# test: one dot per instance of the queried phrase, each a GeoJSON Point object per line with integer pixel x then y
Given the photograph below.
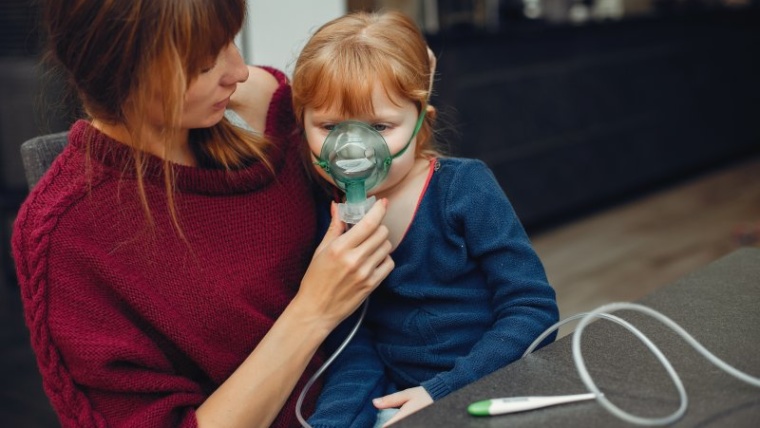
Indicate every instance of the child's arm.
{"type": "Point", "coordinates": [524, 303]}
{"type": "Point", "coordinates": [351, 382]}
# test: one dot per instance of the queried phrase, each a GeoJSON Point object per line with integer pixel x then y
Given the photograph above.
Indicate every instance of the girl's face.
{"type": "Point", "coordinates": [209, 93]}
{"type": "Point", "coordinates": [394, 119]}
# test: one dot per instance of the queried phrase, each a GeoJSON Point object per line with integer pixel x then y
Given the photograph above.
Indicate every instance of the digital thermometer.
{"type": "Point", "coordinates": [500, 406]}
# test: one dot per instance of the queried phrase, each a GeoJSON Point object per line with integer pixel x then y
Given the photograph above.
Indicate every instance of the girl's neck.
{"type": "Point", "coordinates": [403, 199]}
{"type": "Point", "coordinates": [178, 151]}
{"type": "Point", "coordinates": [409, 183]}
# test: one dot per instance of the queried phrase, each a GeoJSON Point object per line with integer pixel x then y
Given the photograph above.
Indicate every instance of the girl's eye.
{"type": "Point", "coordinates": [328, 127]}
{"type": "Point", "coordinates": [379, 127]}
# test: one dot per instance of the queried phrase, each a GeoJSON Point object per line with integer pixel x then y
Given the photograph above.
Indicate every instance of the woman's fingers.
{"type": "Point", "coordinates": [372, 254]}
{"type": "Point", "coordinates": [334, 230]}
{"type": "Point", "coordinates": [367, 226]}
{"type": "Point", "coordinates": [377, 267]}
{"type": "Point", "coordinates": [341, 242]}
{"type": "Point", "coordinates": [364, 246]}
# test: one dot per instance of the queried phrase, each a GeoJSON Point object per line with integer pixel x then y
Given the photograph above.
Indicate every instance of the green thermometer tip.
{"type": "Point", "coordinates": [479, 408]}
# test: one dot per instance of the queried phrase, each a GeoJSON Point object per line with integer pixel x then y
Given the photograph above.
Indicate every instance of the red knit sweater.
{"type": "Point", "coordinates": [133, 326]}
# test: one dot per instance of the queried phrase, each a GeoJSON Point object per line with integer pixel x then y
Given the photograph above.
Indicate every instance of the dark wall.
{"type": "Point", "coordinates": [32, 102]}
{"type": "Point", "coordinates": [573, 118]}
{"type": "Point", "coordinates": [19, 28]}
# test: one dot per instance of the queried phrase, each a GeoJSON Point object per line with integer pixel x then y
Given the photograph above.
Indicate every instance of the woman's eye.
{"type": "Point", "coordinates": [205, 70]}
{"type": "Point", "coordinates": [379, 127]}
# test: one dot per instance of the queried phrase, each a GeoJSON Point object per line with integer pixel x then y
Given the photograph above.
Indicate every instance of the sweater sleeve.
{"type": "Point", "coordinates": [100, 366]}
{"type": "Point", "coordinates": [524, 303]}
{"type": "Point", "coordinates": [352, 381]}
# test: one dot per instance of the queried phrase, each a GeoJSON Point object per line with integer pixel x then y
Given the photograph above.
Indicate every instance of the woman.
{"type": "Point", "coordinates": [165, 258]}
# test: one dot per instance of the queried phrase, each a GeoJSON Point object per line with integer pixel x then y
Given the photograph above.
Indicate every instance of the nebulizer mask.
{"type": "Point", "coordinates": [357, 158]}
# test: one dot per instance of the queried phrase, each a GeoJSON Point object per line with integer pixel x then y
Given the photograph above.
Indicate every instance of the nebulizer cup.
{"type": "Point", "coordinates": [357, 158]}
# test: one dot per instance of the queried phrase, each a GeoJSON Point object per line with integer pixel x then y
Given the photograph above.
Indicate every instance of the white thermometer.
{"type": "Point", "coordinates": [500, 406]}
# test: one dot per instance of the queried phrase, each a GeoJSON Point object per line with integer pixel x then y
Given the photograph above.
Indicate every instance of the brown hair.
{"type": "Point", "coordinates": [345, 57]}
{"type": "Point", "coordinates": [118, 53]}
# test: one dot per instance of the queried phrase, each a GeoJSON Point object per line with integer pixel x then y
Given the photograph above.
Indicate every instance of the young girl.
{"type": "Point", "coordinates": [166, 260]}
{"type": "Point", "coordinates": [468, 294]}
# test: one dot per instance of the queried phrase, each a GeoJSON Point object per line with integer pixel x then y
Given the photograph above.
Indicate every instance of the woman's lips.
{"type": "Point", "coordinates": [222, 104]}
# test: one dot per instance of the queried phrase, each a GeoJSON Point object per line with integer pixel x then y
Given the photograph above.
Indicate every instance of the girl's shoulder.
{"type": "Point", "coordinates": [457, 162]}
{"type": "Point", "coordinates": [461, 168]}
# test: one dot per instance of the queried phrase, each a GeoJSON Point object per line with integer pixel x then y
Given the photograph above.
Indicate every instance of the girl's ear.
{"type": "Point", "coordinates": [431, 112]}
{"type": "Point", "coordinates": [433, 64]}
{"type": "Point", "coordinates": [433, 61]}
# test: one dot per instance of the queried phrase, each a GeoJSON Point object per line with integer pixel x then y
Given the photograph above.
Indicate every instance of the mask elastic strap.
{"type": "Point", "coordinates": [417, 128]}
{"type": "Point", "coordinates": [321, 163]}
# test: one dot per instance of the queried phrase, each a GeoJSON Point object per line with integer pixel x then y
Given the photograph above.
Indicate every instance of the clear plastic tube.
{"type": "Point", "coordinates": [604, 313]}
{"type": "Point", "coordinates": [315, 376]}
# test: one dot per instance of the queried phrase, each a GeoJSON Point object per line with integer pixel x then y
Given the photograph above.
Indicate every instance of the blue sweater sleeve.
{"type": "Point", "coordinates": [352, 381]}
{"type": "Point", "coordinates": [523, 301]}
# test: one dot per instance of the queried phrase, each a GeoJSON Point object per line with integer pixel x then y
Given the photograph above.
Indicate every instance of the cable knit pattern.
{"type": "Point", "coordinates": [131, 325]}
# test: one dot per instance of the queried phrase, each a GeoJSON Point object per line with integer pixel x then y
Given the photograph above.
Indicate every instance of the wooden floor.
{"type": "Point", "coordinates": [628, 251]}
{"type": "Point", "coordinates": [620, 254]}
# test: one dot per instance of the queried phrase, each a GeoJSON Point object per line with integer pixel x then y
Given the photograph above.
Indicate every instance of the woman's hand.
{"type": "Point", "coordinates": [408, 401]}
{"type": "Point", "coordinates": [347, 266]}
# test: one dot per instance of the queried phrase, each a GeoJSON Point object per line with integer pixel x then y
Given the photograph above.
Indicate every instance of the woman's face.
{"type": "Point", "coordinates": [394, 119]}
{"type": "Point", "coordinates": [209, 93]}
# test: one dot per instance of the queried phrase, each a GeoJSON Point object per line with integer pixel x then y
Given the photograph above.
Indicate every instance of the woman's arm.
{"type": "Point", "coordinates": [346, 267]}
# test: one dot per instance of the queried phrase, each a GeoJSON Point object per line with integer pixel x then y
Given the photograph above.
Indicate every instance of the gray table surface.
{"type": "Point", "coordinates": [719, 305]}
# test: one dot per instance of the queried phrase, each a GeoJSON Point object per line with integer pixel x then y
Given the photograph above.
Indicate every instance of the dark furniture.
{"type": "Point", "coordinates": [573, 119]}
{"type": "Point", "coordinates": [39, 152]}
{"type": "Point", "coordinates": [717, 305]}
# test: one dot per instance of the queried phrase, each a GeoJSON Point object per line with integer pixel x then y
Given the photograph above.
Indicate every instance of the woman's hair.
{"type": "Point", "coordinates": [118, 54]}
{"type": "Point", "coordinates": [343, 60]}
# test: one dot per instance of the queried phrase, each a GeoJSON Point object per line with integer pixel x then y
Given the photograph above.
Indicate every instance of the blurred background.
{"type": "Point", "coordinates": [626, 133]}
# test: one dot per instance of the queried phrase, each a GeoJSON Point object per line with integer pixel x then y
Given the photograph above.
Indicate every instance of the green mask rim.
{"type": "Point", "coordinates": [387, 162]}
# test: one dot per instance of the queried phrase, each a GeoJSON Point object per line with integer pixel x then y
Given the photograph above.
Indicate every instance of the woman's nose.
{"type": "Point", "coordinates": [237, 70]}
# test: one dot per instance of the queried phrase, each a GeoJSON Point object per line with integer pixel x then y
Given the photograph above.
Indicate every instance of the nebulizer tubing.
{"type": "Point", "coordinates": [313, 378]}
{"type": "Point", "coordinates": [604, 313]}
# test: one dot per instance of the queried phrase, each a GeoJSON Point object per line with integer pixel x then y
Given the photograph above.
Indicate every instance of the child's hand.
{"type": "Point", "coordinates": [408, 401]}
